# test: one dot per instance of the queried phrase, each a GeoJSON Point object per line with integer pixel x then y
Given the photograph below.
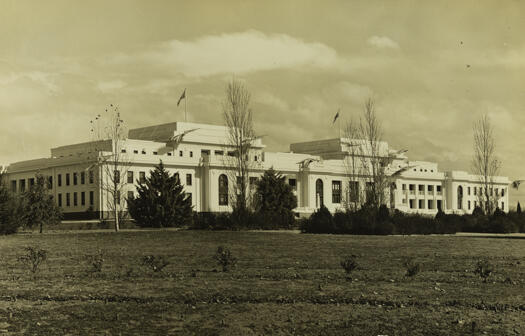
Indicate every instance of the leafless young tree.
{"type": "Point", "coordinates": [485, 163]}
{"type": "Point", "coordinates": [238, 118]}
{"type": "Point", "coordinates": [373, 161]}
{"type": "Point", "coordinates": [112, 162]}
{"type": "Point", "coordinates": [353, 165]}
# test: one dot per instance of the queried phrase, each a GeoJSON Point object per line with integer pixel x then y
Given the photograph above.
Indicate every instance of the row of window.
{"type": "Point", "coordinates": [431, 204]}
{"type": "Point", "coordinates": [76, 178]}
{"type": "Point", "coordinates": [142, 177]}
{"type": "Point", "coordinates": [481, 191]}
{"type": "Point", "coordinates": [135, 151]}
{"type": "Point", "coordinates": [421, 188]}
{"type": "Point", "coordinates": [76, 199]}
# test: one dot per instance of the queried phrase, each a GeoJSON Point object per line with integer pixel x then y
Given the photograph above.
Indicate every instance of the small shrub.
{"type": "Point", "coordinates": [349, 264]}
{"type": "Point", "coordinates": [154, 263]}
{"type": "Point", "coordinates": [484, 269]}
{"type": "Point", "coordinates": [224, 258]}
{"type": "Point", "coordinates": [33, 258]}
{"type": "Point", "coordinates": [96, 262]}
{"type": "Point", "coordinates": [412, 268]}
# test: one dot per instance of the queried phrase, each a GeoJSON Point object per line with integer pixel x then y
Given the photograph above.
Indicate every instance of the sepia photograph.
{"type": "Point", "coordinates": [242, 167]}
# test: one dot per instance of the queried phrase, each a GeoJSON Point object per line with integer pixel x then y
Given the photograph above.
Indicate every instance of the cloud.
{"type": "Point", "coordinates": [382, 42]}
{"type": "Point", "coordinates": [111, 85]}
{"type": "Point", "coordinates": [236, 53]}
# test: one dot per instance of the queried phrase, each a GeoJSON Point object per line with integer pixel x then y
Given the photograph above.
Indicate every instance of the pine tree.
{"type": "Point", "coordinates": [518, 209]}
{"type": "Point", "coordinates": [275, 200]}
{"type": "Point", "coordinates": [11, 211]}
{"type": "Point", "coordinates": [161, 201]}
{"type": "Point", "coordinates": [39, 206]}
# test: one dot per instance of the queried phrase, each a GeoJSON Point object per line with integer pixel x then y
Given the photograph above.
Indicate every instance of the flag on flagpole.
{"type": "Point", "coordinates": [183, 96]}
{"type": "Point", "coordinates": [336, 116]}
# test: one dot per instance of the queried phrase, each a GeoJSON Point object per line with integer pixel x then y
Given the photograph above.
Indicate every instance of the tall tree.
{"type": "Point", "coordinates": [161, 201]}
{"type": "Point", "coordinates": [374, 161]}
{"type": "Point", "coordinates": [11, 209]}
{"type": "Point", "coordinates": [352, 164]}
{"type": "Point", "coordinates": [40, 208]}
{"type": "Point", "coordinates": [485, 163]}
{"type": "Point", "coordinates": [275, 199]}
{"type": "Point", "coordinates": [238, 118]}
{"type": "Point", "coordinates": [111, 161]}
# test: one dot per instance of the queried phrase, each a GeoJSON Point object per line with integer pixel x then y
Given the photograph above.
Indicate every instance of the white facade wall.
{"type": "Point", "coordinates": [203, 154]}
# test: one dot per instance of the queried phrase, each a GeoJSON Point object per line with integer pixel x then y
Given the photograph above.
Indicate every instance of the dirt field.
{"type": "Point", "coordinates": [284, 284]}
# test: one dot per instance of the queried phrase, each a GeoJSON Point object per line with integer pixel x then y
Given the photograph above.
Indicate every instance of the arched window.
{"type": "Point", "coordinates": [223, 190]}
{"type": "Point", "coordinates": [460, 197]}
{"type": "Point", "coordinates": [319, 193]}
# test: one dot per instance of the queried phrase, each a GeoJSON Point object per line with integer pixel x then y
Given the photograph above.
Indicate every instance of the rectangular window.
{"type": "Point", "coordinates": [22, 185]}
{"type": "Point", "coordinates": [468, 191]}
{"type": "Point", "coordinates": [503, 192]}
{"type": "Point", "coordinates": [205, 152]}
{"type": "Point", "coordinates": [83, 198]}
{"type": "Point", "coordinates": [155, 153]}
{"type": "Point", "coordinates": [421, 204]}
{"type": "Point", "coordinates": [438, 188]}
{"type": "Point", "coordinates": [130, 177]}
{"type": "Point", "coordinates": [60, 200]}
{"type": "Point", "coordinates": [68, 200]}
{"type": "Point", "coordinates": [468, 204]}
{"type": "Point", "coordinates": [430, 204]}
{"type": "Point", "coordinates": [75, 180]}
{"type": "Point", "coordinates": [180, 153]}
{"type": "Point", "coordinates": [503, 206]}
{"type": "Point", "coordinates": [91, 177]}
{"type": "Point", "coordinates": [123, 150]}
{"type": "Point", "coordinates": [353, 191]}
{"type": "Point", "coordinates": [142, 177]}
{"type": "Point", "coordinates": [218, 152]}
{"type": "Point", "coordinates": [135, 151]}
{"type": "Point", "coordinates": [130, 194]}
{"type": "Point", "coordinates": [191, 154]}
{"type": "Point", "coordinates": [169, 153]}
{"type": "Point", "coordinates": [421, 187]}
{"type": "Point", "coordinates": [13, 186]}
{"type": "Point", "coordinates": [336, 192]}
{"type": "Point", "coordinates": [411, 203]}
{"type": "Point", "coordinates": [143, 151]}
{"type": "Point", "coordinates": [59, 180]}
{"type": "Point", "coordinates": [116, 175]}
{"type": "Point", "coordinates": [497, 192]}
{"type": "Point", "coordinates": [439, 205]}
{"type": "Point", "coordinates": [188, 179]}
{"type": "Point", "coordinates": [475, 190]}
{"type": "Point", "coordinates": [75, 200]}
{"type": "Point", "coordinates": [293, 183]}
{"type": "Point", "coordinates": [404, 187]}
{"type": "Point", "coordinates": [430, 188]}
{"type": "Point", "coordinates": [91, 198]}
{"type": "Point", "coordinates": [67, 179]}
{"type": "Point", "coordinates": [82, 177]}
{"type": "Point", "coordinates": [253, 182]}
{"type": "Point", "coordinates": [31, 182]}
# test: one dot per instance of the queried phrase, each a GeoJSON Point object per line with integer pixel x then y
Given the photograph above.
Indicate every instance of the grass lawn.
{"type": "Point", "coordinates": [283, 284]}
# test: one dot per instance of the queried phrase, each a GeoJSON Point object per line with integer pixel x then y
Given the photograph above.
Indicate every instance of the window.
{"type": "Point", "coordinates": [439, 205]}
{"type": "Point", "coordinates": [83, 198]}
{"type": "Point", "coordinates": [13, 186]}
{"type": "Point", "coordinates": [430, 204]}
{"type": "Point", "coordinates": [169, 153]}
{"type": "Point", "coordinates": [430, 188]}
{"type": "Point", "coordinates": [468, 204]}
{"type": "Point", "coordinates": [177, 178]}
{"type": "Point", "coordinates": [142, 177]}
{"type": "Point", "coordinates": [403, 187]}
{"type": "Point", "coordinates": [438, 188]}
{"type": "Point", "coordinates": [219, 152]}
{"type": "Point", "coordinates": [253, 181]}
{"type": "Point", "coordinates": [155, 153]}
{"type": "Point", "coordinates": [468, 192]}
{"type": "Point", "coordinates": [130, 194]}
{"type": "Point", "coordinates": [421, 204]}
{"type": "Point", "coordinates": [180, 153]}
{"type": "Point", "coordinates": [421, 188]}
{"type": "Point", "coordinates": [223, 190]}
{"type": "Point", "coordinates": [31, 182]}
{"type": "Point", "coordinates": [497, 192]}
{"type": "Point", "coordinates": [91, 198]}
{"type": "Point", "coordinates": [319, 193]}
{"type": "Point", "coordinates": [503, 206]}
{"type": "Point", "coordinates": [135, 151]}
{"type": "Point", "coordinates": [143, 151]}
{"type": "Point", "coordinates": [50, 182]}
{"type": "Point", "coordinates": [60, 200]}
{"type": "Point", "coordinates": [188, 179]}
{"type": "Point", "coordinates": [123, 150]}
{"type": "Point", "coordinates": [75, 199]}
{"type": "Point", "coordinates": [75, 179]}
{"type": "Point", "coordinates": [411, 203]}
{"type": "Point", "coordinates": [67, 179]}
{"type": "Point", "coordinates": [205, 152]}
{"type": "Point", "coordinates": [59, 180]}
{"type": "Point", "coordinates": [336, 192]}
{"type": "Point", "coordinates": [475, 190]}
{"type": "Point", "coordinates": [82, 177]}
{"type": "Point", "coordinates": [22, 185]}
{"type": "Point", "coordinates": [68, 201]}
{"type": "Point", "coordinates": [411, 187]}
{"type": "Point", "coordinates": [460, 197]}
{"type": "Point", "coordinates": [189, 197]}
{"type": "Point", "coordinates": [130, 177]}
{"type": "Point", "coordinates": [293, 183]}
{"type": "Point", "coordinates": [116, 176]}
{"type": "Point", "coordinates": [91, 177]}
{"type": "Point", "coordinates": [191, 154]}
{"type": "Point", "coordinates": [353, 189]}
{"type": "Point", "coordinates": [502, 192]}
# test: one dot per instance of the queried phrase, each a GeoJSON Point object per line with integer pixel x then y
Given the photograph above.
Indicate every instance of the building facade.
{"type": "Point", "coordinates": [329, 172]}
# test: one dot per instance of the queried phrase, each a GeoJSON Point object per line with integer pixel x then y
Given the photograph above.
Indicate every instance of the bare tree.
{"type": "Point", "coordinates": [485, 163]}
{"type": "Point", "coordinates": [353, 165]}
{"type": "Point", "coordinates": [238, 118]}
{"type": "Point", "coordinates": [111, 161]}
{"type": "Point", "coordinates": [373, 161]}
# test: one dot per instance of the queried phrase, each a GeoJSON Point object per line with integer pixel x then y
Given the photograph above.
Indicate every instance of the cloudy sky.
{"type": "Point", "coordinates": [433, 68]}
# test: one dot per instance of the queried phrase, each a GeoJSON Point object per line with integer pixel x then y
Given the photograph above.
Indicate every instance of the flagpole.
{"type": "Point", "coordinates": [185, 99]}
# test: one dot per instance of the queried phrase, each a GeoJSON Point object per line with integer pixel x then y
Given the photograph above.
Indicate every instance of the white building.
{"type": "Point", "coordinates": [202, 159]}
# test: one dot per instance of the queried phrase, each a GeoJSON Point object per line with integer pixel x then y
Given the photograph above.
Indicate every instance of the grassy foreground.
{"type": "Point", "coordinates": [283, 284]}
